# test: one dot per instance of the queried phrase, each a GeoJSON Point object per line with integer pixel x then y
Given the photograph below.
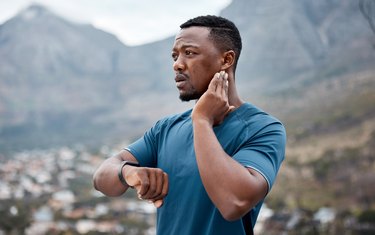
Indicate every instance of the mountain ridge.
{"type": "Point", "coordinates": [59, 77]}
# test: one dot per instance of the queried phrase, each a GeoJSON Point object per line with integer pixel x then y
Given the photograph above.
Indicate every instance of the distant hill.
{"type": "Point", "coordinates": [66, 83]}
{"type": "Point", "coordinates": [286, 39]}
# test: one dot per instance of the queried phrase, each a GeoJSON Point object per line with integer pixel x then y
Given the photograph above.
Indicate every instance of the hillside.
{"type": "Point", "coordinates": [309, 63]}
{"type": "Point", "coordinates": [58, 77]}
{"type": "Point", "coordinates": [329, 144]}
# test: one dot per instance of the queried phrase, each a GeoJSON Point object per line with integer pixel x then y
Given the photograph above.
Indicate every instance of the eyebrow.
{"type": "Point", "coordinates": [186, 45]}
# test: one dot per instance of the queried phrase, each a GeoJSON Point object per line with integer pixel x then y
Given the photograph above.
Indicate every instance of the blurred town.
{"type": "Point", "coordinates": [50, 192]}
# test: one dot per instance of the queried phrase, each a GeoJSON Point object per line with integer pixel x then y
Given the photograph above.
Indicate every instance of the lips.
{"type": "Point", "coordinates": [180, 84]}
{"type": "Point", "coordinates": [180, 79]}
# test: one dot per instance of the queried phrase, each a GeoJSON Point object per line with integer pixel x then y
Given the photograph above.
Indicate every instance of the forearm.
{"type": "Point", "coordinates": [231, 187]}
{"type": "Point", "coordinates": [106, 178]}
{"type": "Point", "coordinates": [151, 183]}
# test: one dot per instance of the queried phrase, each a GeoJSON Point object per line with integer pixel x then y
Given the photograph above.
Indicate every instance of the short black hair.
{"type": "Point", "coordinates": [223, 32]}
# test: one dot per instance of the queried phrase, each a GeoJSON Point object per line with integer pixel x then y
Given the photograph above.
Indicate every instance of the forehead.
{"type": "Point", "coordinates": [194, 36]}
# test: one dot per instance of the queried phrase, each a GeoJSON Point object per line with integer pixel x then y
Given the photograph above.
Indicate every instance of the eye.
{"type": "Point", "coordinates": [188, 52]}
{"type": "Point", "coordinates": [174, 56]}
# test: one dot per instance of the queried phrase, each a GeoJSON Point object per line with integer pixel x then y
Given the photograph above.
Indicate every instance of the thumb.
{"type": "Point", "coordinates": [138, 189]}
{"type": "Point", "coordinates": [158, 203]}
{"type": "Point", "coordinates": [131, 178]}
{"type": "Point", "coordinates": [132, 181]}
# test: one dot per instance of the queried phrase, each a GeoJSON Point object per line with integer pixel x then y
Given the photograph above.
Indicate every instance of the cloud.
{"type": "Point", "coordinates": [133, 22]}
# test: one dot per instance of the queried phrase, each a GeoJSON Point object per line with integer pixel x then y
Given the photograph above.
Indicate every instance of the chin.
{"type": "Point", "coordinates": [189, 97]}
{"type": "Point", "coordinates": [184, 98]}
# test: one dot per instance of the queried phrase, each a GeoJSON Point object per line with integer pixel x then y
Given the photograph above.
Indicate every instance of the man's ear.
{"type": "Point", "coordinates": [228, 59]}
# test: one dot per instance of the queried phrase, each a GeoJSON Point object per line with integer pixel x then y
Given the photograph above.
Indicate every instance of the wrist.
{"type": "Point", "coordinates": [203, 125]}
{"type": "Point", "coordinates": [202, 121]}
{"type": "Point", "coordinates": [121, 173]}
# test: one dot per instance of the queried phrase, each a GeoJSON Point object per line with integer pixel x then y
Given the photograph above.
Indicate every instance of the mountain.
{"type": "Point", "coordinates": [287, 38]}
{"type": "Point", "coordinates": [57, 76]}
{"type": "Point", "coordinates": [66, 83]}
{"type": "Point", "coordinates": [37, 40]}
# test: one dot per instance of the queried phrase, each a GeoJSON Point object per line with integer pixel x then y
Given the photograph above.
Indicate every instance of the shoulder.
{"type": "Point", "coordinates": [254, 116]}
{"type": "Point", "coordinates": [257, 124]}
{"type": "Point", "coordinates": [171, 120]}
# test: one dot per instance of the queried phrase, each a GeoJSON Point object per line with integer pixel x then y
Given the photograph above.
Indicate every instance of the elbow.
{"type": "Point", "coordinates": [101, 184]}
{"type": "Point", "coordinates": [94, 184]}
{"type": "Point", "coordinates": [230, 217]}
{"type": "Point", "coordinates": [95, 181]}
{"type": "Point", "coordinates": [235, 210]}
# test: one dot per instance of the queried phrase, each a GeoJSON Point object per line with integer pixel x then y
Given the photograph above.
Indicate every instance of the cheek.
{"type": "Point", "coordinates": [201, 79]}
{"type": "Point", "coordinates": [210, 67]}
{"type": "Point", "coordinates": [202, 85]}
{"type": "Point", "coordinates": [203, 72]}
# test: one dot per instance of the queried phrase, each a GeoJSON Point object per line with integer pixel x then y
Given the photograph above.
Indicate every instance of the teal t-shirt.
{"type": "Point", "coordinates": [252, 137]}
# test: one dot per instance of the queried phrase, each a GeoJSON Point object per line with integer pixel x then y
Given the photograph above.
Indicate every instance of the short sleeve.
{"type": "Point", "coordinates": [145, 148]}
{"type": "Point", "coordinates": [264, 152]}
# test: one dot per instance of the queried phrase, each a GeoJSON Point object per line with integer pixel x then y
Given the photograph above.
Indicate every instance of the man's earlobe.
{"type": "Point", "coordinates": [228, 59]}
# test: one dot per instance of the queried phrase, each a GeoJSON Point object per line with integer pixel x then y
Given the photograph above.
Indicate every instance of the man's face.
{"type": "Point", "coordinates": [196, 60]}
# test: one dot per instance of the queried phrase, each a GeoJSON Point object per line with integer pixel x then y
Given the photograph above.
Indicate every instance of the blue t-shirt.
{"type": "Point", "coordinates": [252, 137]}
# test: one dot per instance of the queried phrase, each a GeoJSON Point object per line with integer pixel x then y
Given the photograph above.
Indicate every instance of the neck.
{"type": "Point", "coordinates": [233, 97]}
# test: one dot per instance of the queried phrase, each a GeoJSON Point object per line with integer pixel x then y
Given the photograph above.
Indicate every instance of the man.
{"type": "Point", "coordinates": [209, 169]}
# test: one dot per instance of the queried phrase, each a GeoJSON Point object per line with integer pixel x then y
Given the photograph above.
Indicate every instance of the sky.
{"type": "Point", "coordinates": [134, 22]}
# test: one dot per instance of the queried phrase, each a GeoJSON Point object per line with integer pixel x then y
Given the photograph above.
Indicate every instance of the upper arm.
{"type": "Point", "coordinates": [145, 149]}
{"type": "Point", "coordinates": [261, 186]}
{"type": "Point", "coordinates": [263, 154]}
{"type": "Point", "coordinates": [125, 155]}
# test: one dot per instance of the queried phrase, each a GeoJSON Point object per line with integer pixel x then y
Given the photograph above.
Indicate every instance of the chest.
{"type": "Point", "coordinates": [176, 154]}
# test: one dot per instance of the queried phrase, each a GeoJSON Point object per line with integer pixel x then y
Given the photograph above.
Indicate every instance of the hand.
{"type": "Point", "coordinates": [213, 105]}
{"type": "Point", "coordinates": [151, 183]}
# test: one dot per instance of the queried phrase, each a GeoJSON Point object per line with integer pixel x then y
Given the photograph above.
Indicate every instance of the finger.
{"type": "Point", "coordinates": [226, 84]}
{"type": "Point", "coordinates": [144, 183]}
{"type": "Point", "coordinates": [164, 189]}
{"type": "Point", "coordinates": [226, 87]}
{"type": "Point", "coordinates": [138, 188]}
{"type": "Point", "coordinates": [213, 84]}
{"type": "Point", "coordinates": [220, 86]}
{"type": "Point", "coordinates": [159, 184]}
{"type": "Point", "coordinates": [152, 186]}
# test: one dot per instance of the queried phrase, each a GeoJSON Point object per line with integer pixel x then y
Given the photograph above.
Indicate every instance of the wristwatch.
{"type": "Point", "coordinates": [120, 176]}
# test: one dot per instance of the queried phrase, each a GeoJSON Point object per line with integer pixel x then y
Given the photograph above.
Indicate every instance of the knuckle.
{"type": "Point", "coordinates": [146, 184]}
{"type": "Point", "coordinates": [144, 173]}
{"type": "Point", "coordinates": [158, 171]}
{"type": "Point", "coordinates": [152, 190]}
{"type": "Point", "coordinates": [210, 94]}
{"type": "Point", "coordinates": [139, 172]}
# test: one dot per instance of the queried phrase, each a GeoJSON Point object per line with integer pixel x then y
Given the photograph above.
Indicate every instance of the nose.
{"type": "Point", "coordinates": [178, 65]}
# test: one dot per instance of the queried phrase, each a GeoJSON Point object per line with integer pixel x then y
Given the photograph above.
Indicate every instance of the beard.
{"type": "Point", "coordinates": [190, 95]}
